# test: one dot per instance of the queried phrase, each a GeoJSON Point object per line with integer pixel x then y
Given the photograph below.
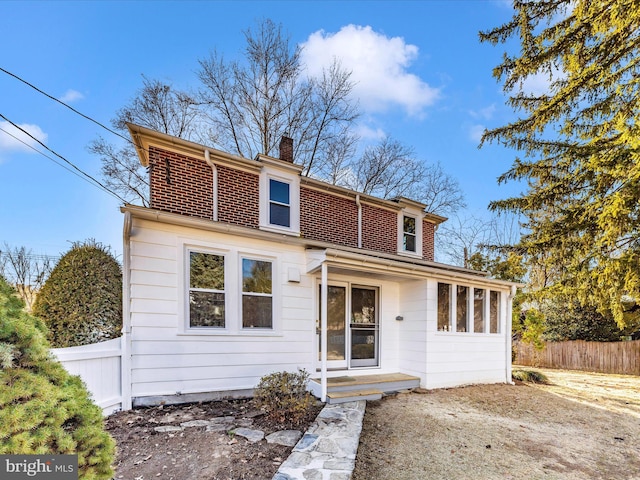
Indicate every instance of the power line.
{"type": "Point", "coordinates": [43, 154]}
{"type": "Point", "coordinates": [86, 175]}
{"type": "Point", "coordinates": [128, 140]}
{"type": "Point", "coordinates": [66, 105]}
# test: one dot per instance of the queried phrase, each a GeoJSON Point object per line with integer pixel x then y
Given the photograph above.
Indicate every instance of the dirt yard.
{"type": "Point", "coordinates": [211, 452]}
{"type": "Point", "coordinates": [582, 426]}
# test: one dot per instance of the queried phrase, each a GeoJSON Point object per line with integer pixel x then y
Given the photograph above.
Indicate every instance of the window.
{"type": "Point", "coordinates": [257, 294]}
{"type": "Point", "coordinates": [461, 308]}
{"type": "Point", "coordinates": [444, 307]}
{"type": "Point", "coordinates": [478, 310]}
{"type": "Point", "coordinates": [279, 203]}
{"type": "Point", "coordinates": [409, 234]}
{"type": "Point", "coordinates": [206, 290]}
{"type": "Point", "coordinates": [494, 300]}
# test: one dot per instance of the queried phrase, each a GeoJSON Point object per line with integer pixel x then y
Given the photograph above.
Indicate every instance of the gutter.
{"type": "Point", "coordinates": [359, 220]}
{"type": "Point", "coordinates": [368, 256]}
{"type": "Point", "coordinates": [214, 169]}
{"type": "Point", "coordinates": [508, 340]}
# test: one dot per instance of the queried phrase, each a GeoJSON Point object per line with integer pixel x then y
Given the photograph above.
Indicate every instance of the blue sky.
{"type": "Point", "coordinates": [422, 76]}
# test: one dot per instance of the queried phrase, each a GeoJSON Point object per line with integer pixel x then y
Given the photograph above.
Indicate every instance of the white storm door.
{"type": "Point", "coordinates": [336, 326]}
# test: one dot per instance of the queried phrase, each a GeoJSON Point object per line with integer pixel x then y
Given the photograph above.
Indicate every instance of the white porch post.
{"type": "Point", "coordinates": [323, 330]}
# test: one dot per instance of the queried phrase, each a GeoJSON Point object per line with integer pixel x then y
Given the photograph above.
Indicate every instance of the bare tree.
{"type": "Point", "coordinates": [390, 169]}
{"type": "Point", "coordinates": [250, 106]}
{"type": "Point", "coordinates": [438, 190]}
{"type": "Point", "coordinates": [245, 108]}
{"type": "Point", "coordinates": [461, 237]}
{"type": "Point", "coordinates": [160, 107]}
{"type": "Point", "coordinates": [26, 271]}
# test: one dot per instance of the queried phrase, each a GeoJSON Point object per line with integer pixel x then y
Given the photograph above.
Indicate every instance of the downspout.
{"type": "Point", "coordinates": [508, 339]}
{"type": "Point", "coordinates": [214, 169]}
{"type": "Point", "coordinates": [125, 365]}
{"type": "Point", "coordinates": [323, 330]}
{"type": "Point", "coordinates": [359, 220]}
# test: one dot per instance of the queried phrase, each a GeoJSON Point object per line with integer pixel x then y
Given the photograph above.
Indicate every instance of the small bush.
{"type": "Point", "coordinates": [529, 376]}
{"type": "Point", "coordinates": [43, 409]}
{"type": "Point", "coordinates": [284, 396]}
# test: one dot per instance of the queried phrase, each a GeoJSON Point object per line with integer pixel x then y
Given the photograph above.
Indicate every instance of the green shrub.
{"type": "Point", "coordinates": [529, 376]}
{"type": "Point", "coordinates": [81, 301]}
{"type": "Point", "coordinates": [43, 409]}
{"type": "Point", "coordinates": [284, 396]}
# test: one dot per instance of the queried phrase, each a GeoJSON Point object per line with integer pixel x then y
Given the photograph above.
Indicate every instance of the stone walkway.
{"type": "Point", "coordinates": [327, 451]}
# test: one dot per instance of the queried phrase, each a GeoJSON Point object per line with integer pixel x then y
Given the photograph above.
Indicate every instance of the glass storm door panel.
{"type": "Point", "coordinates": [336, 326]}
{"type": "Point", "coordinates": [364, 327]}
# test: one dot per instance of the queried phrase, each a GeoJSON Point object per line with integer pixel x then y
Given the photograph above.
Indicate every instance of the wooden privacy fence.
{"type": "Point", "coordinates": [604, 357]}
{"type": "Point", "coordinates": [99, 366]}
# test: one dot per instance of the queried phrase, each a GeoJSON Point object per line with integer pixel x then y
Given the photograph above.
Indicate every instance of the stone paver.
{"type": "Point", "coordinates": [251, 435]}
{"type": "Point", "coordinates": [327, 451]}
{"type": "Point", "coordinates": [288, 438]}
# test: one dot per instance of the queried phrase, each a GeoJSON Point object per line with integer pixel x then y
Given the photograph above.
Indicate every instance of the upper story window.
{"type": "Point", "coordinates": [409, 234]}
{"type": "Point", "coordinates": [279, 203]}
{"type": "Point", "coordinates": [206, 290]}
{"type": "Point", "coordinates": [279, 197]}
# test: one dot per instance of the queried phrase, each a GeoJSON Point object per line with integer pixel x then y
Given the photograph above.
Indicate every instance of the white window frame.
{"type": "Point", "coordinates": [241, 293]}
{"type": "Point", "coordinates": [185, 289]}
{"type": "Point", "coordinates": [417, 216]}
{"type": "Point", "coordinates": [233, 290]}
{"type": "Point", "coordinates": [453, 314]}
{"type": "Point", "coordinates": [293, 180]}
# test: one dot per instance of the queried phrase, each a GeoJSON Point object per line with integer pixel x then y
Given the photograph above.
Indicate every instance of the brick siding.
{"type": "Point", "coordinates": [379, 229]}
{"type": "Point", "coordinates": [428, 233]}
{"type": "Point", "coordinates": [184, 185]}
{"type": "Point", "coordinates": [328, 218]}
{"type": "Point", "coordinates": [238, 197]}
{"type": "Point", "coordinates": [180, 184]}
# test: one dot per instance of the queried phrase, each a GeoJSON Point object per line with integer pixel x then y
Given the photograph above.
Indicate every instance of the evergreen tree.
{"type": "Point", "coordinates": [81, 301]}
{"type": "Point", "coordinates": [578, 142]}
{"type": "Point", "coordinates": [43, 409]}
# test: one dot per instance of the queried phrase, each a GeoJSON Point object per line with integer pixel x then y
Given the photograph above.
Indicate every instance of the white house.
{"type": "Point", "coordinates": [242, 267]}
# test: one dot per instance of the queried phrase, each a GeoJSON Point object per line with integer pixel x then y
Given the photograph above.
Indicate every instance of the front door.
{"type": "Point", "coordinates": [364, 327]}
{"type": "Point", "coordinates": [353, 343]}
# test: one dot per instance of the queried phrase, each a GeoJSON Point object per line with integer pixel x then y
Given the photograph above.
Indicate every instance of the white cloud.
{"type": "Point", "coordinates": [71, 96]}
{"type": "Point", "coordinates": [540, 82]}
{"type": "Point", "coordinates": [475, 132]}
{"type": "Point", "coordinates": [368, 133]}
{"type": "Point", "coordinates": [14, 140]}
{"type": "Point", "coordinates": [378, 64]}
{"type": "Point", "coordinates": [484, 113]}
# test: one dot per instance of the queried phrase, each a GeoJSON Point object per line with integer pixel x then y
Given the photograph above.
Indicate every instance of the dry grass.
{"type": "Point", "coordinates": [580, 426]}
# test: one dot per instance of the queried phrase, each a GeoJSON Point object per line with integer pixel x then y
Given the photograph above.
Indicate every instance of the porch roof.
{"type": "Point", "coordinates": [394, 268]}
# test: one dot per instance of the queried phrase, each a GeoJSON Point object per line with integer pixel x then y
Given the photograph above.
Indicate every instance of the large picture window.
{"type": "Point", "coordinates": [257, 293]}
{"type": "Point", "coordinates": [206, 290]}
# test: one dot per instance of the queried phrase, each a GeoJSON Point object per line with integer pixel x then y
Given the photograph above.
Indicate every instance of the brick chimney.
{"type": "Point", "coordinates": [286, 149]}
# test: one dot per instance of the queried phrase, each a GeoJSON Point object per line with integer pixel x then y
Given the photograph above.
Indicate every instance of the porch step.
{"type": "Point", "coordinates": [363, 387]}
{"type": "Point", "coordinates": [344, 397]}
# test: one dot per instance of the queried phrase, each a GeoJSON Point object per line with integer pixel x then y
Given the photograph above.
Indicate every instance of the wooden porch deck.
{"type": "Point", "coordinates": [354, 387]}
